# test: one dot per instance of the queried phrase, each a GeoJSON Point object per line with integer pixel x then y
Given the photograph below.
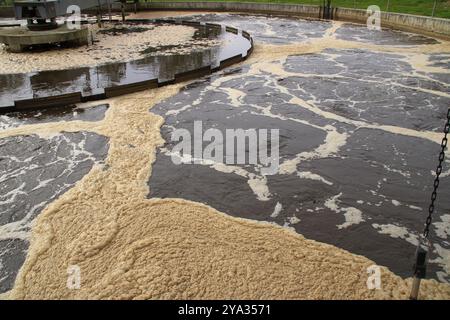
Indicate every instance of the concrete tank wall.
{"type": "Point", "coordinates": [407, 22]}
{"type": "Point", "coordinates": [295, 9]}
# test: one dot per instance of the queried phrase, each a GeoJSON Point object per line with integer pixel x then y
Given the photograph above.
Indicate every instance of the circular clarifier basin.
{"type": "Point", "coordinates": [93, 184]}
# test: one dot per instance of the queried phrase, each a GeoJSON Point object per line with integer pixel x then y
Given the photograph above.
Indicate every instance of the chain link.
{"type": "Point", "coordinates": [438, 173]}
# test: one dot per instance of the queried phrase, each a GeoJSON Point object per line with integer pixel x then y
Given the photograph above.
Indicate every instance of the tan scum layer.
{"type": "Point", "coordinates": [130, 247]}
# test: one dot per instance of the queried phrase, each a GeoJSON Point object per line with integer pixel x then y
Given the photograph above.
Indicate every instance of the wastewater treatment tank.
{"type": "Point", "coordinates": [87, 161]}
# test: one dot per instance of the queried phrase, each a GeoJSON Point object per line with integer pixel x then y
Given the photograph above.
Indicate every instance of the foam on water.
{"type": "Point", "coordinates": [128, 246]}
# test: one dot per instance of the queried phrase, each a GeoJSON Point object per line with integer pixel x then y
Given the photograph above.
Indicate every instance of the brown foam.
{"type": "Point", "coordinates": [128, 247]}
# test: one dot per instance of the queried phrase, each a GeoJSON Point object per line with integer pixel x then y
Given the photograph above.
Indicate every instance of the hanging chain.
{"type": "Point", "coordinates": [438, 173]}
{"type": "Point", "coordinates": [420, 266]}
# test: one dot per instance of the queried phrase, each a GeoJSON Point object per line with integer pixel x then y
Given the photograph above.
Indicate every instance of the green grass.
{"type": "Point", "coordinates": [418, 7]}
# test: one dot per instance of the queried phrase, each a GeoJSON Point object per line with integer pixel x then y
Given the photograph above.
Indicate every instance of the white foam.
{"type": "Point", "coordinates": [442, 260]}
{"type": "Point", "coordinates": [442, 228]}
{"type": "Point", "coordinates": [396, 231]}
{"type": "Point", "coordinates": [352, 215]}
{"type": "Point", "coordinates": [313, 176]}
{"type": "Point", "coordinates": [276, 211]}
